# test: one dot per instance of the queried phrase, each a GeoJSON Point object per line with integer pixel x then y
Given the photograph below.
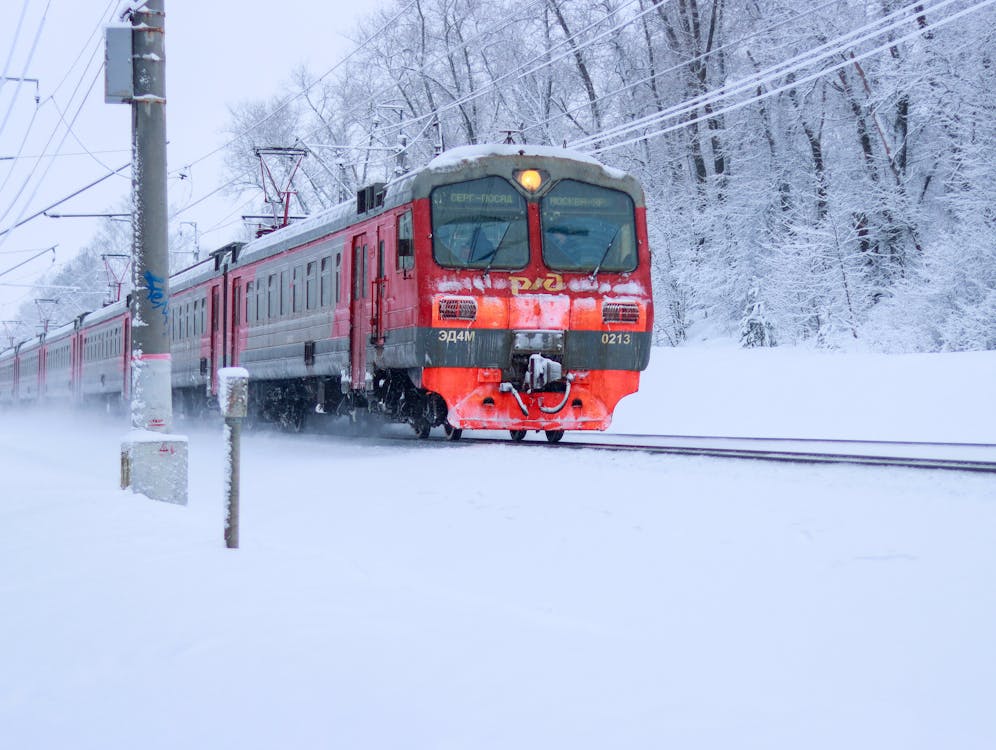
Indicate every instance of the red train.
{"type": "Point", "coordinates": [497, 288]}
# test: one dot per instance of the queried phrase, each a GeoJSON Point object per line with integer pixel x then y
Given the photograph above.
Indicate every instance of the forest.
{"type": "Point", "coordinates": [817, 173]}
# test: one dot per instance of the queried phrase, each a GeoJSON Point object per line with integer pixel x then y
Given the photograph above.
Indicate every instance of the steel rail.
{"type": "Point", "coordinates": [785, 456]}
{"type": "Point", "coordinates": [796, 456]}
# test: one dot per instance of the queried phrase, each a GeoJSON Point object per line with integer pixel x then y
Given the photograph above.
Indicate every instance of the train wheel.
{"type": "Point", "coordinates": [517, 435]}
{"type": "Point", "coordinates": [422, 429]}
{"type": "Point", "coordinates": [292, 418]}
{"type": "Point", "coordinates": [452, 433]}
{"type": "Point", "coordinates": [554, 435]}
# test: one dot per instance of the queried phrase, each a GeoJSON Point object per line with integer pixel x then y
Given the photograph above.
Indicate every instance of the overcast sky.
{"type": "Point", "coordinates": [218, 53]}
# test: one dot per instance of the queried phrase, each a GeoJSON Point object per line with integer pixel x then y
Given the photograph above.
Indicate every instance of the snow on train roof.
{"type": "Point", "coordinates": [460, 155]}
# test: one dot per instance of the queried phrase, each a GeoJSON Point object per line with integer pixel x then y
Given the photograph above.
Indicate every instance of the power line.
{"type": "Point", "coordinates": [771, 92]}
{"type": "Point", "coordinates": [13, 44]}
{"type": "Point", "coordinates": [55, 129]}
{"type": "Point", "coordinates": [33, 257]}
{"type": "Point", "coordinates": [51, 162]}
{"type": "Point", "coordinates": [385, 89]}
{"type": "Point", "coordinates": [27, 64]}
{"type": "Point", "coordinates": [684, 63]}
{"type": "Point", "coordinates": [298, 95]}
{"type": "Point", "coordinates": [63, 200]}
{"type": "Point", "coordinates": [779, 70]}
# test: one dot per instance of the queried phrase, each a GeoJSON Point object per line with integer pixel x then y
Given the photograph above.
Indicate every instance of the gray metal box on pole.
{"type": "Point", "coordinates": [118, 79]}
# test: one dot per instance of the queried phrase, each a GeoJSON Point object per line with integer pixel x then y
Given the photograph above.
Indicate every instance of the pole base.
{"type": "Point", "coordinates": [155, 465]}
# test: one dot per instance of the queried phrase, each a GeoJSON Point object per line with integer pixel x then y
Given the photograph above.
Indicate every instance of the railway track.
{"type": "Point", "coordinates": [974, 457]}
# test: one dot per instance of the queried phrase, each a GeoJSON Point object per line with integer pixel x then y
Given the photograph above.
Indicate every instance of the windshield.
{"type": "Point", "coordinates": [479, 224]}
{"type": "Point", "coordinates": [588, 228]}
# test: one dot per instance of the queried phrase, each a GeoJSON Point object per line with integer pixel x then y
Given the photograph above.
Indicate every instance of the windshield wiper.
{"type": "Point", "coordinates": [494, 253]}
{"type": "Point", "coordinates": [605, 254]}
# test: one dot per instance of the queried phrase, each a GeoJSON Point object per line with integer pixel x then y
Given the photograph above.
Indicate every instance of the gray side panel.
{"type": "Point", "coordinates": [400, 350]}
{"type": "Point", "coordinates": [606, 350]}
{"type": "Point", "coordinates": [287, 360]}
{"type": "Point", "coordinates": [459, 347]}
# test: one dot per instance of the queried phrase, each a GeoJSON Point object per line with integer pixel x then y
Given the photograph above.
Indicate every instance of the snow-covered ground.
{"type": "Point", "coordinates": [437, 595]}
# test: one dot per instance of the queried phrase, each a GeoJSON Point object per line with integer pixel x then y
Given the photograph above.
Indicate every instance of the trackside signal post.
{"type": "Point", "coordinates": [153, 462]}
{"type": "Point", "coordinates": [233, 398]}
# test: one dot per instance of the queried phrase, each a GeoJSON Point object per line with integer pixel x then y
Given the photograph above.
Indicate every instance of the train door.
{"type": "Point", "coordinates": [359, 314]}
{"type": "Point", "coordinates": [235, 321]}
{"type": "Point", "coordinates": [17, 372]}
{"type": "Point", "coordinates": [75, 371]}
{"type": "Point", "coordinates": [216, 339]}
{"type": "Point", "coordinates": [42, 369]}
{"type": "Point", "coordinates": [377, 289]}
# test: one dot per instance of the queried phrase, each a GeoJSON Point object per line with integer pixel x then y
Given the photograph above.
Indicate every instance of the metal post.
{"type": "Point", "coordinates": [233, 399]}
{"type": "Point", "coordinates": [233, 428]}
{"type": "Point", "coordinates": [153, 462]}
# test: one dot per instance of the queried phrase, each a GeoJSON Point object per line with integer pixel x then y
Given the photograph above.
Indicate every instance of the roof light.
{"type": "Point", "coordinates": [530, 179]}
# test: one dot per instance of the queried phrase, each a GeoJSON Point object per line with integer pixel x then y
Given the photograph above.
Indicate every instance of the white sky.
{"type": "Point", "coordinates": [218, 53]}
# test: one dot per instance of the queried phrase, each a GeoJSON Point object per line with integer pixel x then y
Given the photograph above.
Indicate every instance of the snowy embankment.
{"type": "Point", "coordinates": [436, 595]}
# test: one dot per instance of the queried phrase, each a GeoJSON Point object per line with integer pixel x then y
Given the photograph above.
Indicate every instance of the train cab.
{"type": "Point", "coordinates": [536, 302]}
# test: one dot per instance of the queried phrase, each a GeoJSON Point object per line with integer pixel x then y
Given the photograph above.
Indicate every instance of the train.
{"type": "Point", "coordinates": [499, 287]}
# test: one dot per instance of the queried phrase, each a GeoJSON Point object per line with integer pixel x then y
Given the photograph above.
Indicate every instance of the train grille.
{"type": "Point", "coordinates": [457, 309]}
{"type": "Point", "coordinates": [620, 312]}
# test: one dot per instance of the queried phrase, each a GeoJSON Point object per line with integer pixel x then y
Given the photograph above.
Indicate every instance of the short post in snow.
{"type": "Point", "coordinates": [233, 398]}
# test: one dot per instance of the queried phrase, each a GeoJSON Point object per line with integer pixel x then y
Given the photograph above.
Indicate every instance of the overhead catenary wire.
{"type": "Point", "coordinates": [289, 100]}
{"type": "Point", "coordinates": [380, 92]}
{"type": "Point", "coordinates": [59, 202]}
{"type": "Point", "coordinates": [51, 98]}
{"type": "Point", "coordinates": [27, 66]}
{"type": "Point", "coordinates": [4, 234]}
{"type": "Point", "coordinates": [805, 79]}
{"type": "Point", "coordinates": [683, 64]}
{"type": "Point", "coordinates": [794, 64]}
{"type": "Point", "coordinates": [13, 44]}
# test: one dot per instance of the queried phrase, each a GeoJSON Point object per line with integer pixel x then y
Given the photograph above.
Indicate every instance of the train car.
{"type": "Point", "coordinates": [31, 369]}
{"type": "Point", "coordinates": [59, 364]}
{"type": "Point", "coordinates": [103, 356]}
{"type": "Point", "coordinates": [497, 288]}
{"type": "Point", "coordinates": [8, 376]}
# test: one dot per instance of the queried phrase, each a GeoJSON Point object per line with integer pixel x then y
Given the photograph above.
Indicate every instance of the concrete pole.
{"type": "Point", "coordinates": [153, 461]}
{"type": "Point", "coordinates": [151, 398]}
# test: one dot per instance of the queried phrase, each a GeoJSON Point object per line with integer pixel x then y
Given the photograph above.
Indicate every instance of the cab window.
{"type": "Point", "coordinates": [588, 228]}
{"type": "Point", "coordinates": [479, 224]}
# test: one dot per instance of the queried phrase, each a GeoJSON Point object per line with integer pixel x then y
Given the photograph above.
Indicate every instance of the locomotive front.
{"type": "Point", "coordinates": [536, 308]}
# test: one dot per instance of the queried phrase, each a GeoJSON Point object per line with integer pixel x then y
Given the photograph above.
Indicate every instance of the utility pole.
{"type": "Point", "coordinates": [153, 461]}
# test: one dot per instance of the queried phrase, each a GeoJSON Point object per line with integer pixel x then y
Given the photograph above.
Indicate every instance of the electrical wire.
{"type": "Point", "coordinates": [780, 70]}
{"type": "Point", "coordinates": [812, 77]}
{"type": "Point", "coordinates": [59, 202]}
{"type": "Point", "coordinates": [13, 44]}
{"type": "Point", "coordinates": [683, 64]}
{"type": "Point", "coordinates": [370, 99]}
{"type": "Point", "coordinates": [287, 102]}
{"type": "Point", "coordinates": [51, 136]}
{"type": "Point", "coordinates": [27, 65]}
